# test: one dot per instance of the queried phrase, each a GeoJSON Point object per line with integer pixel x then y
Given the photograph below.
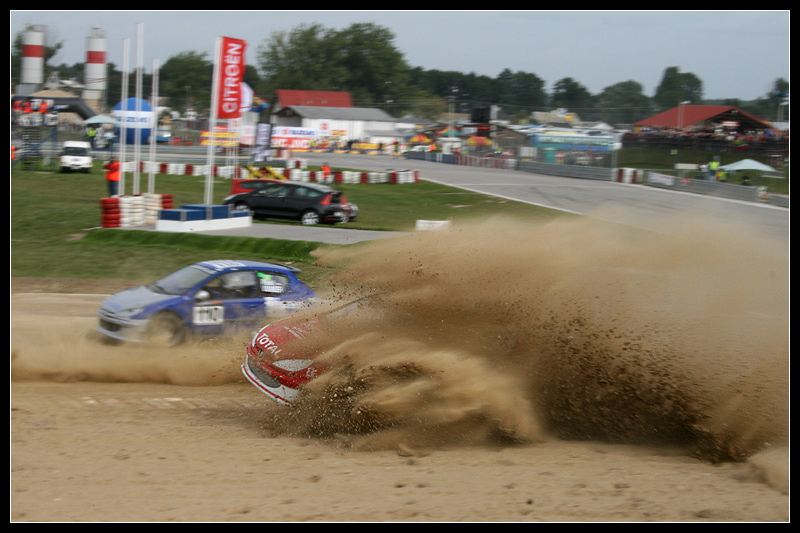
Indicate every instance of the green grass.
{"type": "Point", "coordinates": [55, 225]}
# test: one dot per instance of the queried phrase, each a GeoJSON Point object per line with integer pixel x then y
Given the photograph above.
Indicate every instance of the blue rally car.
{"type": "Point", "coordinates": [210, 298]}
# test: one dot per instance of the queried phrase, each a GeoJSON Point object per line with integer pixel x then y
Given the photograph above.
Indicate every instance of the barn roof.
{"type": "Point", "coordinates": [336, 113]}
{"type": "Point", "coordinates": [286, 97]}
{"type": "Point", "coordinates": [688, 115]}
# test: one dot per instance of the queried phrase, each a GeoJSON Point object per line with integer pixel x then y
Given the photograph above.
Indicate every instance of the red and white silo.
{"type": "Point", "coordinates": [32, 55]}
{"type": "Point", "coordinates": [94, 73]}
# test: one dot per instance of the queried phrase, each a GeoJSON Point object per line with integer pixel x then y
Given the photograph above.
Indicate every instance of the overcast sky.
{"type": "Point", "coordinates": [737, 54]}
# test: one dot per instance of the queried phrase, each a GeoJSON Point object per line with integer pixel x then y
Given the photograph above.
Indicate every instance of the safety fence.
{"type": "Point", "coordinates": [295, 170]}
{"type": "Point", "coordinates": [715, 188]}
{"type": "Point", "coordinates": [570, 171]}
{"type": "Point", "coordinates": [618, 175]}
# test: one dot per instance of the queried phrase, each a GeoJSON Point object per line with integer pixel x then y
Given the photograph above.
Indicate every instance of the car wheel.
{"type": "Point", "coordinates": [240, 206]}
{"type": "Point", "coordinates": [166, 330]}
{"type": "Point", "coordinates": [309, 218]}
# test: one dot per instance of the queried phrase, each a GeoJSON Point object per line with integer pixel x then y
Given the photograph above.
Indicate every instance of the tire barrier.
{"type": "Point", "coordinates": [628, 175]}
{"type": "Point", "coordinates": [153, 204]}
{"type": "Point", "coordinates": [131, 211]}
{"type": "Point", "coordinates": [394, 177]}
{"type": "Point", "coordinates": [127, 211]}
{"type": "Point", "coordinates": [295, 170]}
{"type": "Point", "coordinates": [110, 212]}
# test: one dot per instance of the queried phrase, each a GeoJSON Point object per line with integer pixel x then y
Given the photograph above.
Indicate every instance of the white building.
{"type": "Point", "coordinates": [340, 123]}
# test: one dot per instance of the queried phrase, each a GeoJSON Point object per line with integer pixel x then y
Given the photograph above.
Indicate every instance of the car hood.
{"type": "Point", "coordinates": [140, 296]}
{"type": "Point", "coordinates": [281, 338]}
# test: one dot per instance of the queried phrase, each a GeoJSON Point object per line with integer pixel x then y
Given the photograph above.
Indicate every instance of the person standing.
{"type": "Point", "coordinates": [112, 175]}
{"type": "Point", "coordinates": [326, 173]}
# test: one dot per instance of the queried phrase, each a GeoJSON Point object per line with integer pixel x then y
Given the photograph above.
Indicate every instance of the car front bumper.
{"type": "Point", "coordinates": [267, 384]}
{"type": "Point", "coordinates": [122, 329]}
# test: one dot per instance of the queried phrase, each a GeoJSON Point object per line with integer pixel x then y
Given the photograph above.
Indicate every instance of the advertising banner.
{"type": "Point", "coordinates": [231, 71]}
{"type": "Point", "coordinates": [261, 149]}
{"type": "Point", "coordinates": [292, 138]}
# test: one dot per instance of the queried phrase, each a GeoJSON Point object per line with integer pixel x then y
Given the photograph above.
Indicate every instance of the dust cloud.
{"type": "Point", "coordinates": [506, 331]}
{"type": "Point", "coordinates": [65, 348]}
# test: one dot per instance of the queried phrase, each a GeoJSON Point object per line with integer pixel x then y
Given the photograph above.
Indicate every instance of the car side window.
{"type": "Point", "coordinates": [272, 283]}
{"type": "Point", "coordinates": [305, 192]}
{"type": "Point", "coordinates": [275, 190]}
{"type": "Point", "coordinates": [233, 285]}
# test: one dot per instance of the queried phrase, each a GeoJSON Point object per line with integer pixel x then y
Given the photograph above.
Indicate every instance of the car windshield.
{"type": "Point", "coordinates": [74, 150]}
{"type": "Point", "coordinates": [180, 281]}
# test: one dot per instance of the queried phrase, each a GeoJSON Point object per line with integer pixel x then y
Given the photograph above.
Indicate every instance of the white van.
{"type": "Point", "coordinates": [75, 155]}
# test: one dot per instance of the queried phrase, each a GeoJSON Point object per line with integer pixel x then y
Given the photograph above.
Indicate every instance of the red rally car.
{"type": "Point", "coordinates": [279, 363]}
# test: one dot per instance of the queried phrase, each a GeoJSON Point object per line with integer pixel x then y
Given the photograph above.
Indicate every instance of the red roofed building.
{"type": "Point", "coordinates": [285, 98]}
{"type": "Point", "coordinates": [703, 115]}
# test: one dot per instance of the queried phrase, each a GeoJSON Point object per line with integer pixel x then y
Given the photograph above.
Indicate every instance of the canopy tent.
{"type": "Point", "coordinates": [101, 119]}
{"type": "Point", "coordinates": [479, 141]}
{"type": "Point", "coordinates": [747, 164]}
{"type": "Point", "coordinates": [449, 132]}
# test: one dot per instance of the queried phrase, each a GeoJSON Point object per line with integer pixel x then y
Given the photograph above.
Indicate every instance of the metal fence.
{"type": "Point", "coordinates": [570, 171]}
{"type": "Point", "coordinates": [715, 188]}
{"type": "Point", "coordinates": [650, 178]}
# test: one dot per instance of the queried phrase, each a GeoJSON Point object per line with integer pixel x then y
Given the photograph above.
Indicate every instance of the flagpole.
{"type": "Point", "coordinates": [212, 124]}
{"type": "Point", "coordinates": [153, 131]}
{"type": "Point", "coordinates": [137, 140]}
{"type": "Point", "coordinates": [123, 129]}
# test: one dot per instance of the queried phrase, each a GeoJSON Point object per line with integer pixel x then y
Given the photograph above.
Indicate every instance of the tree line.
{"type": "Point", "coordinates": [363, 60]}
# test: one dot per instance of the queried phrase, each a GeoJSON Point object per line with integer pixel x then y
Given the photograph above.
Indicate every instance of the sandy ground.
{"type": "Point", "coordinates": [128, 434]}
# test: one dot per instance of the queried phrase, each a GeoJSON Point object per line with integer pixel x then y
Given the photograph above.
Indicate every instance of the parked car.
{"type": "Point", "coordinates": [75, 155]}
{"type": "Point", "coordinates": [279, 360]}
{"type": "Point", "coordinates": [209, 298]}
{"type": "Point", "coordinates": [310, 203]}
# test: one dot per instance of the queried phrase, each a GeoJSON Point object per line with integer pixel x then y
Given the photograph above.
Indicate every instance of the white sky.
{"type": "Point", "coordinates": [737, 54]}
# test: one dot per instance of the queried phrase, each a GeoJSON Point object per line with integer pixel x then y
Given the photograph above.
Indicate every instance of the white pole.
{"type": "Point", "coordinates": [123, 129]}
{"type": "Point", "coordinates": [151, 179]}
{"type": "Point", "coordinates": [212, 124]}
{"type": "Point", "coordinates": [138, 131]}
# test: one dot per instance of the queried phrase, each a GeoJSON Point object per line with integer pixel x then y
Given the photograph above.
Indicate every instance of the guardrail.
{"type": "Point", "coordinates": [651, 178]}
{"type": "Point", "coordinates": [570, 171]}
{"type": "Point", "coordinates": [715, 188]}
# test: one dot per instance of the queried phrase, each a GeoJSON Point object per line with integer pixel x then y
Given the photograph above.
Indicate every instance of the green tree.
{"type": "Point", "coordinates": [623, 103]}
{"type": "Point", "coordinates": [360, 59]}
{"type": "Point", "coordinates": [185, 79]}
{"type": "Point", "coordinates": [571, 95]}
{"type": "Point", "coordinates": [520, 89]}
{"type": "Point", "coordinates": [299, 59]}
{"type": "Point", "coordinates": [676, 87]}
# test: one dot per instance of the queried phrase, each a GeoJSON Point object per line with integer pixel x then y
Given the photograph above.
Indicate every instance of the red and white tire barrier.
{"type": "Point", "coordinates": [627, 175]}
{"type": "Point", "coordinates": [295, 170]}
{"type": "Point", "coordinates": [127, 211]}
{"type": "Point", "coordinates": [347, 176]}
{"type": "Point", "coordinates": [153, 204]}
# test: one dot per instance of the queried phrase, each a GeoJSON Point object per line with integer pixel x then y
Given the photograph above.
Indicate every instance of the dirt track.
{"type": "Point", "coordinates": [102, 433]}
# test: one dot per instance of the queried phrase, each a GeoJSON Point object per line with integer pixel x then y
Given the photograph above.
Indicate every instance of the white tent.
{"type": "Point", "coordinates": [747, 164]}
{"type": "Point", "coordinates": [101, 119]}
